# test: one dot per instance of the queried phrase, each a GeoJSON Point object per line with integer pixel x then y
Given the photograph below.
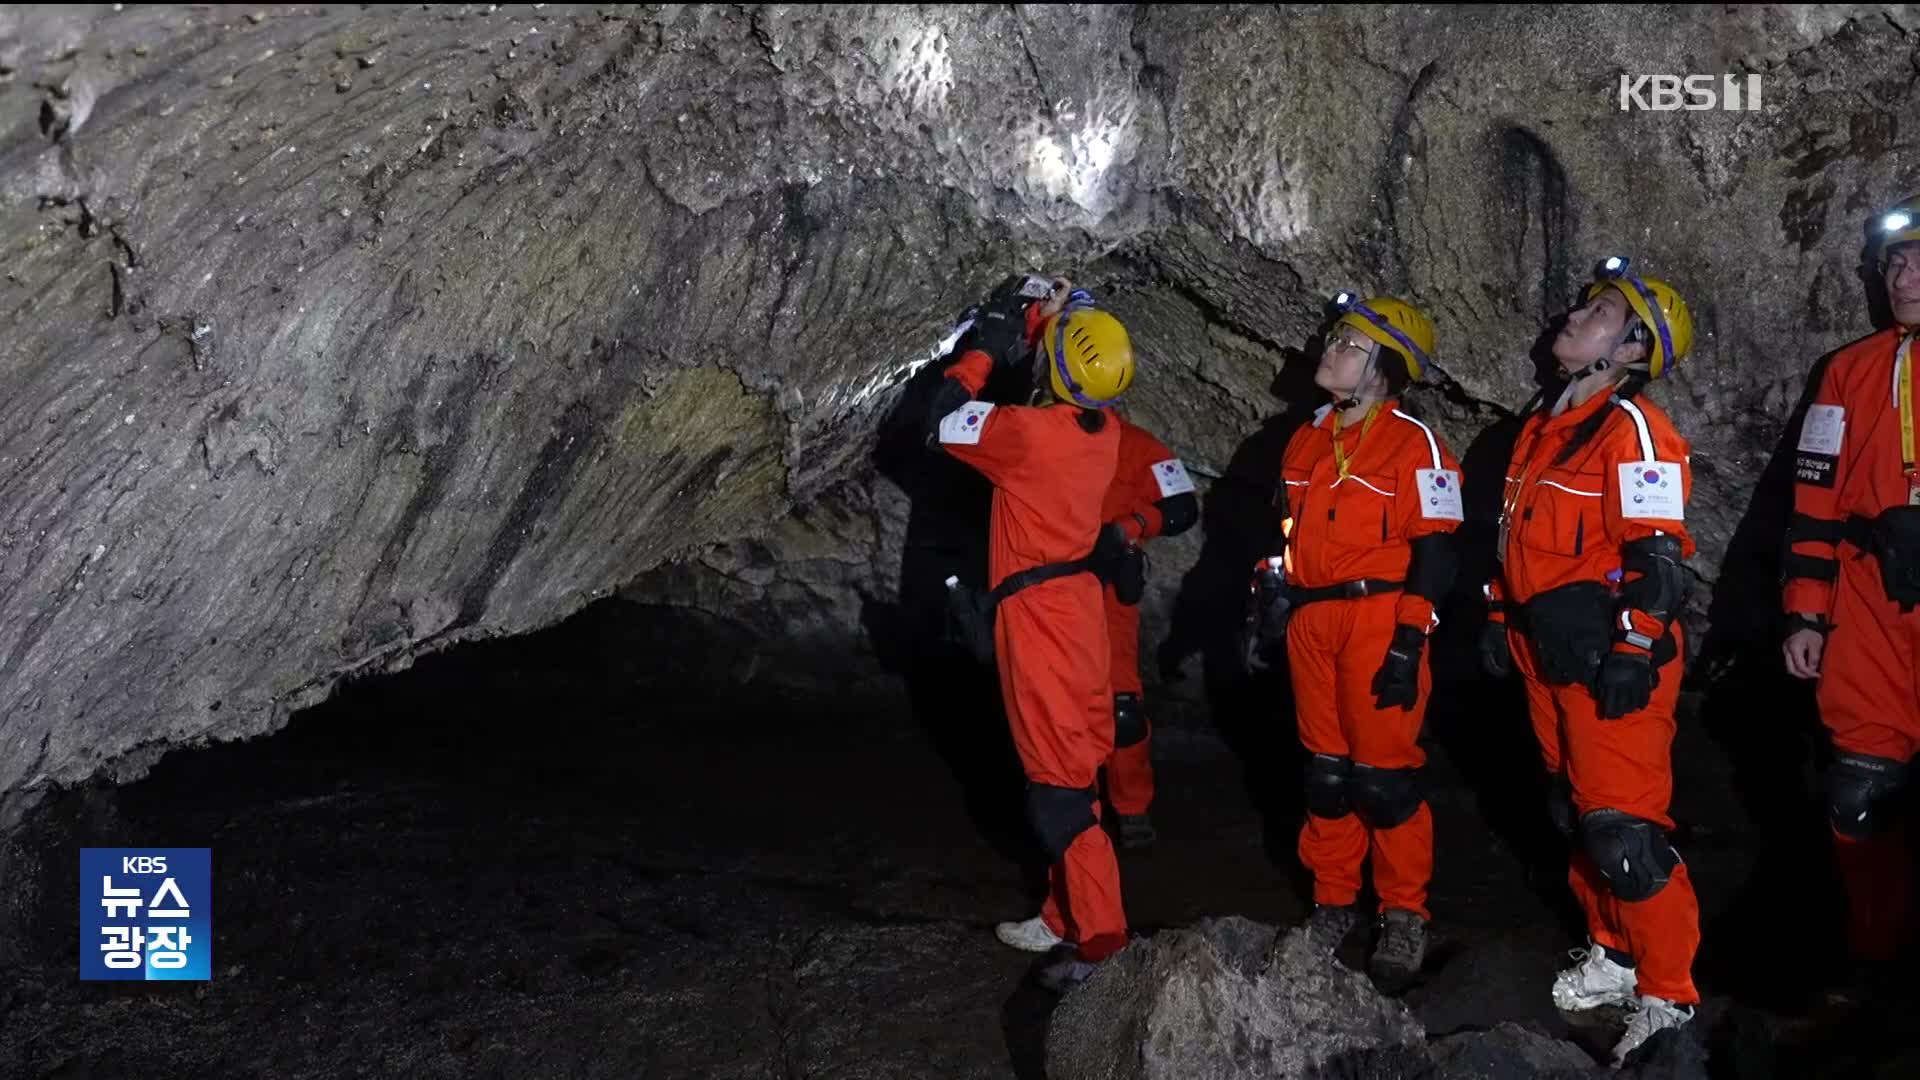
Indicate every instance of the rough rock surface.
{"type": "Point", "coordinates": [336, 334]}
{"type": "Point", "coordinates": [1227, 998]}
{"type": "Point", "coordinates": [1233, 998]}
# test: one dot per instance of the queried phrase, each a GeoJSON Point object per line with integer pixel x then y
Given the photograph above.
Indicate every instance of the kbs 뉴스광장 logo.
{"type": "Point", "coordinates": [146, 914]}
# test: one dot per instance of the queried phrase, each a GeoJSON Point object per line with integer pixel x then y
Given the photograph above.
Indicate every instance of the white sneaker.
{"type": "Point", "coordinates": [1650, 1014]}
{"type": "Point", "coordinates": [1593, 982]}
{"type": "Point", "coordinates": [1029, 936]}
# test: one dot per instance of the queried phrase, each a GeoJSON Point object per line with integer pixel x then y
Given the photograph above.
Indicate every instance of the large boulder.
{"type": "Point", "coordinates": [1225, 1000]}
{"type": "Point", "coordinates": [1230, 998]}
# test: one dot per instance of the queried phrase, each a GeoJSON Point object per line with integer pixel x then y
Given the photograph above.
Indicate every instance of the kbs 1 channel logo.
{"type": "Point", "coordinates": [146, 914]}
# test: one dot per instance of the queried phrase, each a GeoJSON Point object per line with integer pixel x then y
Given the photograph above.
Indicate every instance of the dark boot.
{"type": "Point", "coordinates": [1401, 950]}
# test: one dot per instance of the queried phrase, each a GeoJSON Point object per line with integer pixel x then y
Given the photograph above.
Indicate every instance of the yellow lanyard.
{"type": "Point", "coordinates": [1902, 364]}
{"type": "Point", "coordinates": [1340, 456]}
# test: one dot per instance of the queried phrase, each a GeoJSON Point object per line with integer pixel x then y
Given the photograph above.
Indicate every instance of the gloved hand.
{"type": "Point", "coordinates": [1496, 653]}
{"type": "Point", "coordinates": [1000, 331]}
{"type": "Point", "coordinates": [1266, 621]}
{"type": "Point", "coordinates": [1398, 680]}
{"type": "Point", "coordinates": [1625, 683]}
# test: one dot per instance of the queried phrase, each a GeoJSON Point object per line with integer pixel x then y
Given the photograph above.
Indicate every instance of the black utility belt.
{"type": "Point", "coordinates": [1572, 630]}
{"type": "Point", "coordinates": [1346, 590]}
{"type": "Point", "coordinates": [1893, 539]}
{"type": "Point", "coordinates": [970, 612]}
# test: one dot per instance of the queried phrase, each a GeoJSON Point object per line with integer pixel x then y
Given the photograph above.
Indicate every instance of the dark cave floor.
{"type": "Point", "coordinates": [506, 863]}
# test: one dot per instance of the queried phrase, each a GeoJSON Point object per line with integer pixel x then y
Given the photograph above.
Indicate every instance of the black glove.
{"type": "Point", "coordinates": [1000, 325]}
{"type": "Point", "coordinates": [1496, 654]}
{"type": "Point", "coordinates": [1266, 621]}
{"type": "Point", "coordinates": [1625, 683]}
{"type": "Point", "coordinates": [1398, 680]}
{"type": "Point", "coordinates": [1001, 332]}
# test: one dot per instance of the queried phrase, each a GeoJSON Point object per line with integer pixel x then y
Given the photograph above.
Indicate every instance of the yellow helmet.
{"type": "Point", "coordinates": [1395, 324]}
{"type": "Point", "coordinates": [1898, 225]}
{"type": "Point", "coordinates": [1658, 305]}
{"type": "Point", "coordinates": [1088, 355]}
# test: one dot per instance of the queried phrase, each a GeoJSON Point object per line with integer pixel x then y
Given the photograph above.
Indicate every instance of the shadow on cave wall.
{"type": "Point", "coordinates": [1251, 713]}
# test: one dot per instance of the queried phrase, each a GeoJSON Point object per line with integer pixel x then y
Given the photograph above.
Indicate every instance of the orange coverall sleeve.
{"type": "Point", "coordinates": [1419, 517]}
{"type": "Point", "coordinates": [1142, 519]}
{"type": "Point", "coordinates": [1812, 563]}
{"type": "Point", "coordinates": [997, 444]}
{"type": "Point", "coordinates": [1647, 450]}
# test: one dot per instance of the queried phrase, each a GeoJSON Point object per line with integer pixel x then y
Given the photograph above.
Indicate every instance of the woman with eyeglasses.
{"type": "Point", "coordinates": [1853, 583]}
{"type": "Point", "coordinates": [1593, 538]}
{"type": "Point", "coordinates": [1368, 501]}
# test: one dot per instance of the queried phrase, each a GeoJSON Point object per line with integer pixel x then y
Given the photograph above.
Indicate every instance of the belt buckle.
{"type": "Point", "coordinates": [1357, 589]}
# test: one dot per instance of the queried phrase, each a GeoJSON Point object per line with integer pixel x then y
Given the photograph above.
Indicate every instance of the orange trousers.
{"type": "Point", "coordinates": [1053, 658]}
{"type": "Point", "coordinates": [1129, 768]}
{"type": "Point", "coordinates": [1869, 699]}
{"type": "Point", "coordinates": [1627, 765]}
{"type": "Point", "coordinates": [1334, 649]}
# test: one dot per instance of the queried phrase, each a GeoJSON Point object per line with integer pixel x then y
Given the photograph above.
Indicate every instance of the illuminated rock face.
{"type": "Point", "coordinates": [336, 335]}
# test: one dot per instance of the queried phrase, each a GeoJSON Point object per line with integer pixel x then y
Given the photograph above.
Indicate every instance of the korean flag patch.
{"type": "Point", "coordinates": [1172, 477]}
{"type": "Point", "coordinates": [1439, 494]}
{"type": "Point", "coordinates": [1652, 490]}
{"type": "Point", "coordinates": [963, 425]}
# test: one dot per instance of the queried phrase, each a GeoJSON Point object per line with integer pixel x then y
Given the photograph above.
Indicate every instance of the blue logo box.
{"type": "Point", "coordinates": [146, 913]}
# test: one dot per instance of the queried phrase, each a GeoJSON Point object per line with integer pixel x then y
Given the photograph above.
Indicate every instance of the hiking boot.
{"type": "Point", "coordinates": [1065, 970]}
{"type": "Point", "coordinates": [1401, 950]}
{"type": "Point", "coordinates": [1595, 981]}
{"type": "Point", "coordinates": [1329, 925]}
{"type": "Point", "coordinates": [1136, 830]}
{"type": "Point", "coordinates": [1030, 935]}
{"type": "Point", "coordinates": [1650, 1014]}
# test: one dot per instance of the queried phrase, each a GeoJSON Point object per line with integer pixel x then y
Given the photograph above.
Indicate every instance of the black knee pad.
{"type": "Point", "coordinates": [1386, 797]}
{"type": "Point", "coordinates": [1560, 807]}
{"type": "Point", "coordinates": [1059, 814]}
{"type": "Point", "coordinates": [1129, 720]}
{"type": "Point", "coordinates": [1860, 787]}
{"type": "Point", "coordinates": [1631, 853]}
{"type": "Point", "coordinates": [1327, 786]}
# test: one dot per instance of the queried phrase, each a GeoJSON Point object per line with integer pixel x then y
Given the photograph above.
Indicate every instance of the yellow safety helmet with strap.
{"type": "Point", "coordinates": [1658, 305]}
{"type": "Point", "coordinates": [1899, 224]}
{"type": "Point", "coordinates": [1393, 323]}
{"type": "Point", "coordinates": [1088, 355]}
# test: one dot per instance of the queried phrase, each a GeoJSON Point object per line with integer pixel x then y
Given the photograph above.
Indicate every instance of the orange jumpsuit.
{"type": "Point", "coordinates": [1850, 463]}
{"type": "Point", "coordinates": [1148, 474]}
{"type": "Point", "coordinates": [1400, 483]}
{"type": "Point", "coordinates": [1564, 524]}
{"type": "Point", "coordinates": [1049, 477]}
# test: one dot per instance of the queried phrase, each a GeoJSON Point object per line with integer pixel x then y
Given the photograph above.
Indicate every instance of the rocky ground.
{"type": "Point", "coordinates": [523, 858]}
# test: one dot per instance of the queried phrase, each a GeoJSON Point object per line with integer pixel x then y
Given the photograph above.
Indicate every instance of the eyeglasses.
{"type": "Point", "coordinates": [1348, 341]}
{"type": "Point", "coordinates": [1894, 265]}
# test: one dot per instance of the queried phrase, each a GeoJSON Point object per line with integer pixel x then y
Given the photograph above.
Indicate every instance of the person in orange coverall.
{"type": "Point", "coordinates": [1852, 581]}
{"type": "Point", "coordinates": [1593, 536]}
{"type": "Point", "coordinates": [1369, 498]}
{"type": "Point", "coordinates": [1152, 495]}
{"type": "Point", "coordinates": [1051, 465]}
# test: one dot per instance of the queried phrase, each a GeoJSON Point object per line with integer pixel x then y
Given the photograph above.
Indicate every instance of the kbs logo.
{"type": "Point", "coordinates": [146, 914]}
{"type": "Point", "coordinates": [1694, 93]}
